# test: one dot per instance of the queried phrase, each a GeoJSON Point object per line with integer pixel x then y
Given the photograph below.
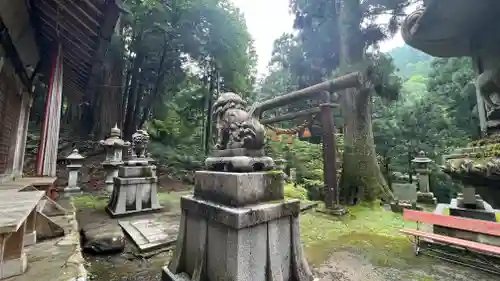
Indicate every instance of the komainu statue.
{"type": "Point", "coordinates": [236, 128]}
{"type": "Point", "coordinates": [240, 138]}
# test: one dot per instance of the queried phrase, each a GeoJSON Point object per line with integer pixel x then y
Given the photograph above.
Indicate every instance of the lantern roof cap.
{"type": "Point", "coordinates": [74, 155]}
{"type": "Point", "coordinates": [421, 158]}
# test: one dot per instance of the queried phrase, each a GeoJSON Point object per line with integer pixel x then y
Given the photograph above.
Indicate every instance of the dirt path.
{"type": "Point", "coordinates": [347, 266]}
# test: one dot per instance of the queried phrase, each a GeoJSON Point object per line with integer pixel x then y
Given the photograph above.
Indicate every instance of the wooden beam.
{"type": "Point", "coordinates": [290, 116]}
{"type": "Point", "coordinates": [351, 80]}
{"type": "Point", "coordinates": [11, 52]}
{"type": "Point", "coordinates": [64, 42]}
{"type": "Point", "coordinates": [111, 13]}
{"type": "Point", "coordinates": [75, 17]}
{"type": "Point", "coordinates": [66, 33]}
{"type": "Point", "coordinates": [68, 25]}
{"type": "Point", "coordinates": [90, 5]}
{"type": "Point", "coordinates": [73, 74]}
{"type": "Point", "coordinates": [90, 18]}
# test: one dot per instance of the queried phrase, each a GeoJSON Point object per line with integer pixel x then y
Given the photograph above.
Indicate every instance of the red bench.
{"type": "Point", "coordinates": [464, 224]}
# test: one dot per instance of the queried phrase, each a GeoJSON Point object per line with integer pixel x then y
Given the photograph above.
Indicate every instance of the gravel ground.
{"type": "Point", "coordinates": [347, 266]}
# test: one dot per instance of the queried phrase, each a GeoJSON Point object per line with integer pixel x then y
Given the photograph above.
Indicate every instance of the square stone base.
{"type": "Point", "coordinates": [133, 195]}
{"type": "Point", "coordinates": [239, 189]}
{"type": "Point", "coordinates": [257, 242]}
{"type": "Point", "coordinates": [13, 267]}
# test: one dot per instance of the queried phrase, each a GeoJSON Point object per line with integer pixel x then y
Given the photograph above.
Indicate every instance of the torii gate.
{"type": "Point", "coordinates": [322, 92]}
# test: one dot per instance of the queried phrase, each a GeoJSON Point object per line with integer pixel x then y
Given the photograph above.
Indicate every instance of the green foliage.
{"type": "Point", "coordinates": [296, 192]}
{"type": "Point", "coordinates": [410, 61]}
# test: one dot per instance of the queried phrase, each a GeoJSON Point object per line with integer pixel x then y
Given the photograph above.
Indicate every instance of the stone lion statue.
{"type": "Point", "coordinates": [236, 128]}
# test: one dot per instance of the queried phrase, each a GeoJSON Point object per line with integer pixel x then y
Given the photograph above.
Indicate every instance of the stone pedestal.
{"type": "Point", "coordinates": [238, 227]}
{"type": "Point", "coordinates": [134, 189]}
{"type": "Point", "coordinates": [111, 170]}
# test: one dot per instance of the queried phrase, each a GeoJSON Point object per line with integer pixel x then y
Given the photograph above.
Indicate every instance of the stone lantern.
{"type": "Point", "coordinates": [75, 163]}
{"type": "Point", "coordinates": [422, 168]}
{"type": "Point", "coordinates": [114, 146]}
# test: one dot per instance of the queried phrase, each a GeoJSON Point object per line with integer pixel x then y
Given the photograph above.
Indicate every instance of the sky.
{"type": "Point", "coordinates": [269, 19]}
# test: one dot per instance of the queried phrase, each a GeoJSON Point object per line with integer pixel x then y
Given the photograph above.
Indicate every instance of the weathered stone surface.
{"type": "Point", "coordinates": [238, 189]}
{"type": "Point", "coordinates": [100, 239]}
{"type": "Point", "coordinates": [240, 217]}
{"type": "Point", "coordinates": [405, 191]}
{"type": "Point", "coordinates": [239, 164]}
{"type": "Point", "coordinates": [151, 233]}
{"type": "Point", "coordinates": [207, 249]}
{"type": "Point", "coordinates": [135, 171]}
{"type": "Point", "coordinates": [426, 198]}
{"type": "Point", "coordinates": [134, 195]}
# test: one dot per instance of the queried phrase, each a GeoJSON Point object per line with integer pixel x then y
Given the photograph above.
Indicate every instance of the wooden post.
{"type": "Point", "coordinates": [329, 152]}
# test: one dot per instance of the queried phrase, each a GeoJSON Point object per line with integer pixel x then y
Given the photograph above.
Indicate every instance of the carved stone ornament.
{"type": "Point", "coordinates": [236, 128]}
{"type": "Point", "coordinates": [140, 140]}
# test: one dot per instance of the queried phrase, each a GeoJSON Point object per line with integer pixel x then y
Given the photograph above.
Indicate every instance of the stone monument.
{"type": "Point", "coordinates": [75, 163]}
{"type": "Point", "coordinates": [422, 168]}
{"type": "Point", "coordinates": [134, 188]}
{"type": "Point", "coordinates": [114, 146]}
{"type": "Point", "coordinates": [237, 225]}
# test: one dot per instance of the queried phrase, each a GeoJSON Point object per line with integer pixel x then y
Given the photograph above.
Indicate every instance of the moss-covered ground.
{"type": "Point", "coordinates": [367, 229]}
{"type": "Point", "coordinates": [368, 232]}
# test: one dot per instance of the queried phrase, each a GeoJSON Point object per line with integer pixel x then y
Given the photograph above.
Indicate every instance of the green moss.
{"type": "Point", "coordinates": [90, 201]}
{"type": "Point", "coordinates": [274, 172]}
{"type": "Point", "coordinates": [295, 192]}
{"type": "Point", "coordinates": [367, 229]}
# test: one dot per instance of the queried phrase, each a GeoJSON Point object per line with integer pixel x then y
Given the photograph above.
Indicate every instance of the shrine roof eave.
{"type": "Point", "coordinates": [83, 27]}
{"type": "Point", "coordinates": [447, 28]}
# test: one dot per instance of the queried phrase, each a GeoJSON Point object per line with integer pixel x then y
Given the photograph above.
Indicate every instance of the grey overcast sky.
{"type": "Point", "coordinates": [268, 19]}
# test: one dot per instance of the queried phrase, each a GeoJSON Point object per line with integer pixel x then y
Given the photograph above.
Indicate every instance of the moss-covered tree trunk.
{"type": "Point", "coordinates": [361, 179]}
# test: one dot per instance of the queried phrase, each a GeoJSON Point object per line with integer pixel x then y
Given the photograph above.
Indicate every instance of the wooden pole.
{"type": "Point", "coordinates": [351, 80]}
{"type": "Point", "coordinates": [329, 152]}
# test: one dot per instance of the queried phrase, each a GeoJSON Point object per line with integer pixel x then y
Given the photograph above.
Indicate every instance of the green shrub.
{"type": "Point", "coordinates": [296, 192]}
{"type": "Point", "coordinates": [315, 189]}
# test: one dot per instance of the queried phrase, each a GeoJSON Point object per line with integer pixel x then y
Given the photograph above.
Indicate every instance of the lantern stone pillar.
{"type": "Point", "coordinates": [114, 146]}
{"type": "Point", "coordinates": [424, 195]}
{"type": "Point", "coordinates": [75, 163]}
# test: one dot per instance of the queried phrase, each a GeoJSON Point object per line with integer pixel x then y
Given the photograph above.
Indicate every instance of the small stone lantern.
{"type": "Point", "coordinates": [75, 163]}
{"type": "Point", "coordinates": [422, 168]}
{"type": "Point", "coordinates": [114, 146]}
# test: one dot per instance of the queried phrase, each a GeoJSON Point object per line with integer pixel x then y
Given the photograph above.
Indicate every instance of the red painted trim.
{"type": "Point", "coordinates": [479, 226]}
{"type": "Point", "coordinates": [454, 241]}
{"type": "Point", "coordinates": [43, 139]}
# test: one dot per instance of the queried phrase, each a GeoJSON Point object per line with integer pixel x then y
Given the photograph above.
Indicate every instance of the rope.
{"type": "Point", "coordinates": [291, 131]}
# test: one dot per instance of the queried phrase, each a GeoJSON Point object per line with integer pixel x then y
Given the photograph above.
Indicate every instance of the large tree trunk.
{"type": "Point", "coordinates": [133, 90]}
{"type": "Point", "coordinates": [361, 178]}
